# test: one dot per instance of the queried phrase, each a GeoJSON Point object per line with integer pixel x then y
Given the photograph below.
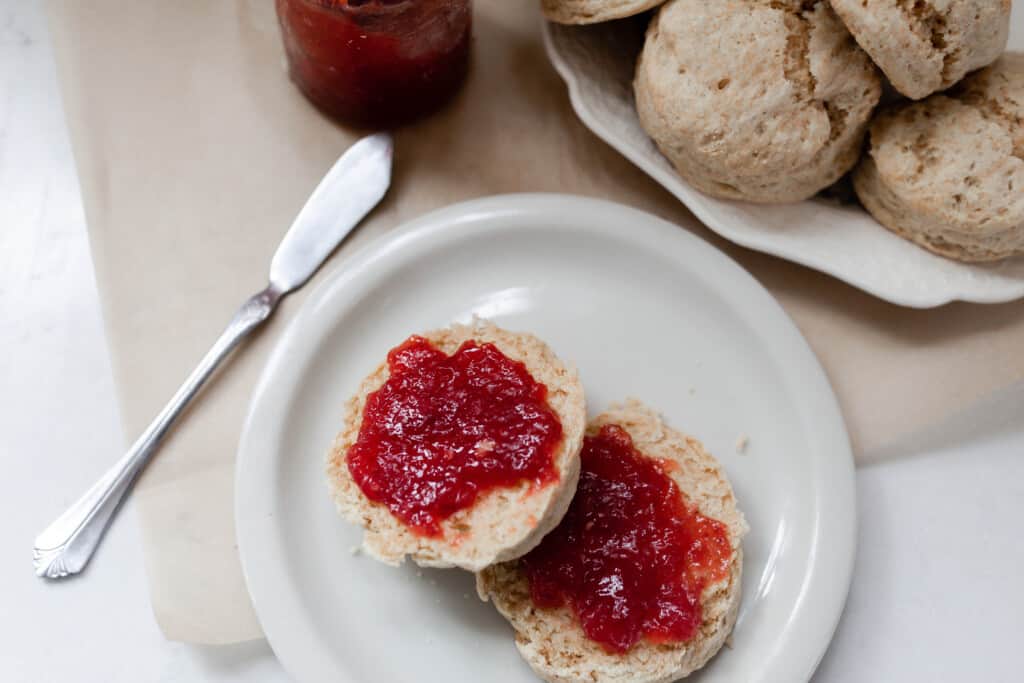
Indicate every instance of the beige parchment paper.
{"type": "Point", "coordinates": [195, 152]}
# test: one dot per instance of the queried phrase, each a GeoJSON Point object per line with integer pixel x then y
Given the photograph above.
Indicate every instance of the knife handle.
{"type": "Point", "coordinates": [66, 545]}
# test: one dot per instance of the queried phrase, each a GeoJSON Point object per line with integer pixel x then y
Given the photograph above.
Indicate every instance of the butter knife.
{"type": "Point", "coordinates": [353, 186]}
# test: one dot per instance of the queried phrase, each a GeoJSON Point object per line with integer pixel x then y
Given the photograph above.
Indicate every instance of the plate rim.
{"type": "Point", "coordinates": [823, 592]}
{"type": "Point", "coordinates": [681, 190]}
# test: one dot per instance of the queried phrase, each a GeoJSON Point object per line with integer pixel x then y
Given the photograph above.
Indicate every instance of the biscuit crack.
{"type": "Point", "coordinates": [836, 120]}
{"type": "Point", "coordinates": [797, 66]}
{"type": "Point", "coordinates": [931, 25]}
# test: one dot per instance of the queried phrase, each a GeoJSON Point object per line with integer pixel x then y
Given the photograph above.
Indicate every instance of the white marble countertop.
{"type": "Point", "coordinates": [936, 593]}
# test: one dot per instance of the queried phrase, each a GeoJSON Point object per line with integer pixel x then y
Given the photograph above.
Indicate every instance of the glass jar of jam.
{"type": "Point", "coordinates": [377, 63]}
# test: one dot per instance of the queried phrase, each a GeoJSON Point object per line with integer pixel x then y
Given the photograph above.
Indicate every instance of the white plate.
{"type": "Point", "coordinates": [643, 308]}
{"type": "Point", "coordinates": [844, 241]}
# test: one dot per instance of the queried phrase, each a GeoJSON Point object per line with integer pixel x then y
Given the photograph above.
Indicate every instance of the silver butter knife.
{"type": "Point", "coordinates": [353, 186]}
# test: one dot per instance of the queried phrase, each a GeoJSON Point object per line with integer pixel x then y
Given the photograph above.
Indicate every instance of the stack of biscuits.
{"type": "Point", "coordinates": [774, 101]}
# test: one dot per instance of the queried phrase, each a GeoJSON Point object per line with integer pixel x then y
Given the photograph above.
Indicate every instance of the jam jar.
{"type": "Point", "coordinates": [377, 63]}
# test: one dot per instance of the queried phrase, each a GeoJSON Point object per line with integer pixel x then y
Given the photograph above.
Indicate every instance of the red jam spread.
{"type": "Point", "coordinates": [631, 557]}
{"type": "Point", "coordinates": [444, 429]}
{"type": "Point", "coordinates": [377, 63]}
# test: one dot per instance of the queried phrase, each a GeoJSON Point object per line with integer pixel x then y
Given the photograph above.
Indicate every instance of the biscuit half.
{"type": "Point", "coordinates": [552, 641]}
{"type": "Point", "coordinates": [503, 523]}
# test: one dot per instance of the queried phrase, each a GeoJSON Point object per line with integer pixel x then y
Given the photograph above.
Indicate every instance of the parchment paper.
{"type": "Point", "coordinates": [195, 152]}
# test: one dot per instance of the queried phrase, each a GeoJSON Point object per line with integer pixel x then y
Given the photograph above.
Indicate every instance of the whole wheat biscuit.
{"type": "Point", "coordinates": [927, 45]}
{"type": "Point", "coordinates": [552, 641]}
{"type": "Point", "coordinates": [593, 11]}
{"type": "Point", "coordinates": [503, 523]}
{"type": "Point", "coordinates": [948, 172]}
{"type": "Point", "coordinates": [763, 100]}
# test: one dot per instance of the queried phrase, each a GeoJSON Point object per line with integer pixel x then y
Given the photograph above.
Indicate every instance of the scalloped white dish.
{"type": "Point", "coordinates": [652, 312]}
{"type": "Point", "coordinates": [597, 63]}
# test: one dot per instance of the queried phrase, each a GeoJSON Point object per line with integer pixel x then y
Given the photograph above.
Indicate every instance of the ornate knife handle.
{"type": "Point", "coordinates": [67, 544]}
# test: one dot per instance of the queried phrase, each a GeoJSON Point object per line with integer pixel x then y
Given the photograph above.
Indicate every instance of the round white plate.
{"type": "Point", "coordinates": [643, 309]}
{"type": "Point", "coordinates": [596, 62]}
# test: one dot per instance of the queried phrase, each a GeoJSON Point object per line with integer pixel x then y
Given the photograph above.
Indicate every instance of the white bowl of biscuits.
{"type": "Point", "coordinates": [879, 142]}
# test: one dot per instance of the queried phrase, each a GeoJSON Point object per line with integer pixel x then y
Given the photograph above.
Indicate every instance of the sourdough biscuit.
{"type": "Point", "coordinates": [503, 523]}
{"type": "Point", "coordinates": [593, 11]}
{"type": "Point", "coordinates": [927, 45]}
{"type": "Point", "coordinates": [763, 100]}
{"type": "Point", "coordinates": [552, 641]}
{"type": "Point", "coordinates": [948, 172]}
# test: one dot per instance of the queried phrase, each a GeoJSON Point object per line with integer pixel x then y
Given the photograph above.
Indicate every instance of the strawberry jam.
{"type": "Point", "coordinates": [377, 63]}
{"type": "Point", "coordinates": [631, 557]}
{"type": "Point", "coordinates": [444, 429]}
